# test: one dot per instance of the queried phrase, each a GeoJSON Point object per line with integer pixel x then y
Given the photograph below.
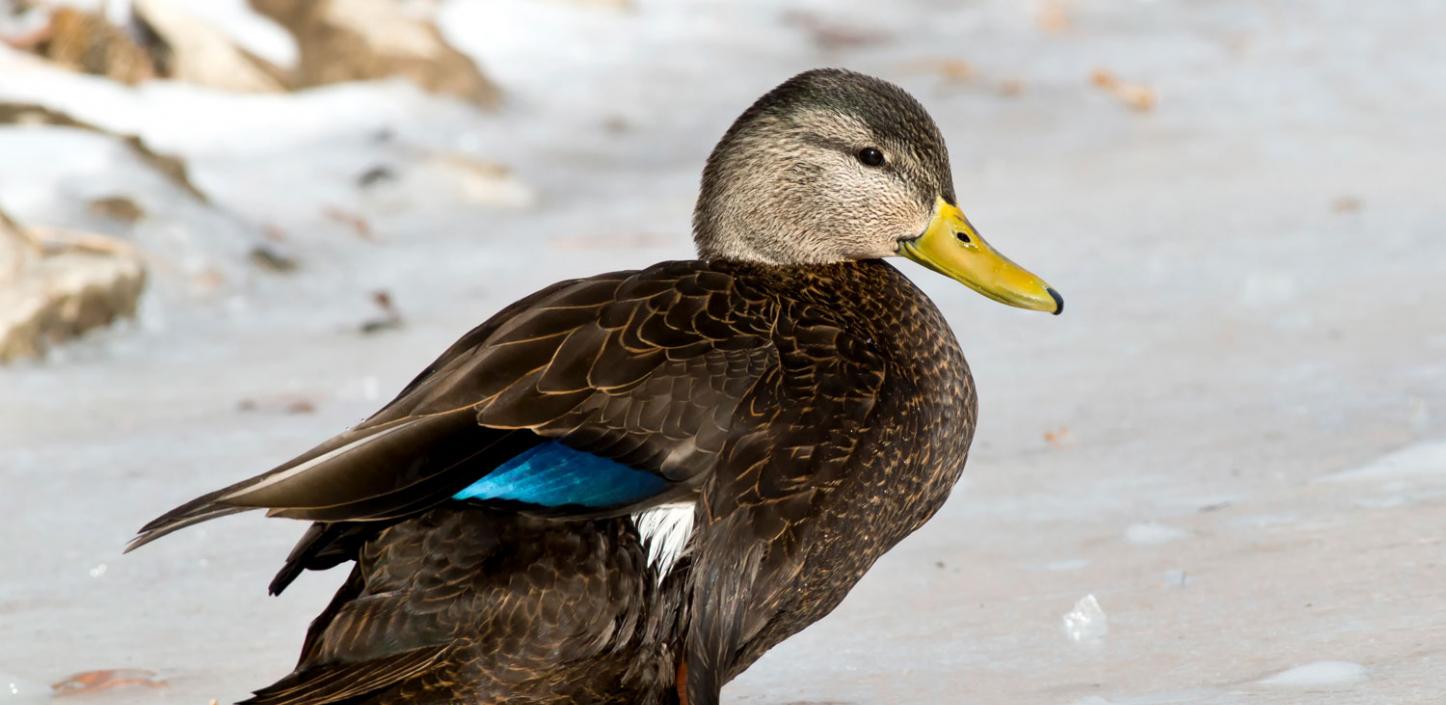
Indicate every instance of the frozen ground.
{"type": "Point", "coordinates": [1235, 439]}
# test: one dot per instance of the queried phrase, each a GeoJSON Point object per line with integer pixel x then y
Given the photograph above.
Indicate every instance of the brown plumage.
{"type": "Point", "coordinates": [805, 414]}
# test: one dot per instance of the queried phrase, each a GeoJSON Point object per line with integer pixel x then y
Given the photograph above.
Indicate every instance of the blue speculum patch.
{"type": "Point", "coordinates": [552, 475]}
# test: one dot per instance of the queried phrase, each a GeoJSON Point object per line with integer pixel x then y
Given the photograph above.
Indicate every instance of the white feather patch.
{"type": "Point", "coordinates": [664, 531]}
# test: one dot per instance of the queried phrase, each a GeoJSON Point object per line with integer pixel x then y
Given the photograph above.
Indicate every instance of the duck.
{"type": "Point", "coordinates": [626, 488]}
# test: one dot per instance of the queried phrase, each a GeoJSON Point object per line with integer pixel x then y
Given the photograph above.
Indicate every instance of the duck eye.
{"type": "Point", "coordinates": [871, 156]}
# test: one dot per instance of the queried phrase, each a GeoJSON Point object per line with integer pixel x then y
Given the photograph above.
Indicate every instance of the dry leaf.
{"type": "Point", "coordinates": [271, 259]}
{"type": "Point", "coordinates": [1058, 437]}
{"type": "Point", "coordinates": [358, 224]}
{"type": "Point", "coordinates": [109, 679]}
{"type": "Point", "coordinates": [828, 33]}
{"type": "Point", "coordinates": [1134, 95]}
{"type": "Point", "coordinates": [119, 208]}
{"type": "Point", "coordinates": [1052, 16]}
{"type": "Point", "coordinates": [391, 317]}
{"type": "Point", "coordinates": [376, 175]}
{"type": "Point", "coordinates": [282, 403]}
{"type": "Point", "coordinates": [948, 69]}
{"type": "Point", "coordinates": [208, 279]}
{"type": "Point", "coordinates": [1346, 204]}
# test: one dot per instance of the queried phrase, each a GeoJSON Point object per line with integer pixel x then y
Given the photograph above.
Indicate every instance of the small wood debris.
{"type": "Point", "coordinates": [616, 124]}
{"type": "Point", "coordinates": [88, 682]}
{"type": "Point", "coordinates": [358, 224]}
{"type": "Point", "coordinates": [1058, 437]}
{"type": "Point", "coordinates": [1346, 204]}
{"type": "Point", "coordinates": [955, 70]}
{"type": "Point", "coordinates": [284, 404]}
{"type": "Point", "coordinates": [376, 175]}
{"type": "Point", "coordinates": [273, 260]}
{"type": "Point", "coordinates": [1136, 96]}
{"type": "Point", "coordinates": [827, 33]}
{"type": "Point", "coordinates": [172, 167]}
{"type": "Point", "coordinates": [207, 280]}
{"type": "Point", "coordinates": [480, 180]}
{"type": "Point", "coordinates": [121, 208]}
{"type": "Point", "coordinates": [390, 317]}
{"type": "Point", "coordinates": [1053, 16]}
{"type": "Point", "coordinates": [961, 72]}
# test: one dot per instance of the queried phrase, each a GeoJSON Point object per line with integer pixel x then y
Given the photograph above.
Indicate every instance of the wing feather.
{"type": "Point", "coordinates": [615, 365]}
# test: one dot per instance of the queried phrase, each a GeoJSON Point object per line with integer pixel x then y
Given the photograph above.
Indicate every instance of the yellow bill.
{"type": "Point", "coordinates": [950, 246]}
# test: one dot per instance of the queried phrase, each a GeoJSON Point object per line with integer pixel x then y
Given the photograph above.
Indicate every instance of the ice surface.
{"type": "Point", "coordinates": [1319, 674]}
{"type": "Point", "coordinates": [1425, 461]}
{"type": "Point", "coordinates": [1183, 697]}
{"type": "Point", "coordinates": [19, 691]}
{"type": "Point", "coordinates": [1065, 564]}
{"type": "Point", "coordinates": [1087, 623]}
{"type": "Point", "coordinates": [1152, 534]}
{"type": "Point", "coordinates": [1231, 337]}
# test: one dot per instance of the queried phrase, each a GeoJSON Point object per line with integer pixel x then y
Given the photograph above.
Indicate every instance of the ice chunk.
{"type": "Point", "coordinates": [1152, 534]}
{"type": "Point", "coordinates": [1319, 674]}
{"type": "Point", "coordinates": [1087, 622]}
{"type": "Point", "coordinates": [1424, 460]}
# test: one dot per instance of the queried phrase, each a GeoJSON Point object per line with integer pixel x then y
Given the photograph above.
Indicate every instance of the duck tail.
{"type": "Point", "coordinates": [203, 508]}
{"type": "Point", "coordinates": [370, 473]}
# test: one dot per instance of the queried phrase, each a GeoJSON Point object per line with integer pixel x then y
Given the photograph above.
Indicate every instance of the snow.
{"type": "Point", "coordinates": [1241, 361]}
{"type": "Point", "coordinates": [1087, 623]}
{"type": "Point", "coordinates": [1425, 462]}
{"type": "Point", "coordinates": [1319, 674]}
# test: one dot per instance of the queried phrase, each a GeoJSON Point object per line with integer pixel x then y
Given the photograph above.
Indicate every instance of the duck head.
{"type": "Point", "coordinates": [834, 166]}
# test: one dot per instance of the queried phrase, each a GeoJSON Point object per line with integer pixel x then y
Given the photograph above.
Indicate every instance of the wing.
{"type": "Point", "coordinates": [643, 369]}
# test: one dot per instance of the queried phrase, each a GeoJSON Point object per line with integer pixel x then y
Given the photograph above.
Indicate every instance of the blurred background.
{"type": "Point", "coordinates": [230, 229]}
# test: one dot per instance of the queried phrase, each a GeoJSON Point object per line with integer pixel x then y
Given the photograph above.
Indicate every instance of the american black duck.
{"type": "Point", "coordinates": [626, 488]}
